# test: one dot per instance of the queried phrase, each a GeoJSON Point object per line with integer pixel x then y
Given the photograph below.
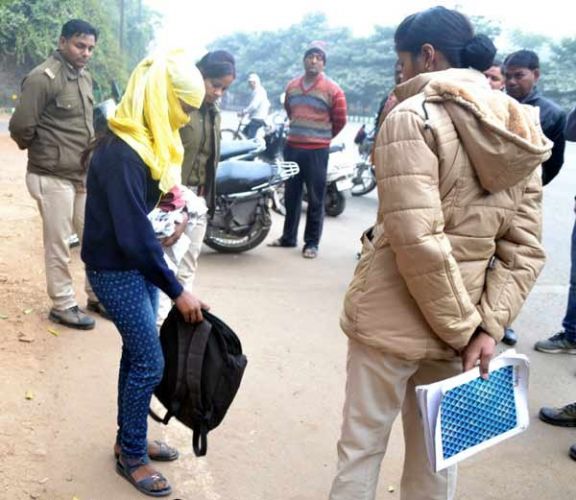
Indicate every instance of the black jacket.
{"type": "Point", "coordinates": [117, 233]}
{"type": "Point", "coordinates": [553, 121]}
{"type": "Point", "coordinates": [570, 132]}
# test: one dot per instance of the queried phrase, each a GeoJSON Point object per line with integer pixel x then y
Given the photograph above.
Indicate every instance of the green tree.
{"type": "Point", "coordinates": [560, 73]}
{"type": "Point", "coordinates": [363, 67]}
{"type": "Point", "coordinates": [489, 27]}
{"type": "Point", "coordinates": [534, 41]}
{"type": "Point", "coordinates": [29, 31]}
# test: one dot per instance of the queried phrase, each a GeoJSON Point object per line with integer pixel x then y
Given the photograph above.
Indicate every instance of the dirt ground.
{"type": "Point", "coordinates": [278, 441]}
{"type": "Point", "coordinates": [26, 342]}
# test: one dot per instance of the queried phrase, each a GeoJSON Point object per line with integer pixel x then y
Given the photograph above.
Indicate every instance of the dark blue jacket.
{"type": "Point", "coordinates": [117, 233]}
{"type": "Point", "coordinates": [553, 121]}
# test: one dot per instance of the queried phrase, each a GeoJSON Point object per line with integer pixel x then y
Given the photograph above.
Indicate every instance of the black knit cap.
{"type": "Point", "coordinates": [316, 47]}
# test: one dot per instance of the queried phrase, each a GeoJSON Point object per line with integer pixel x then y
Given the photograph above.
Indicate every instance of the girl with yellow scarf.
{"type": "Point", "coordinates": [136, 161]}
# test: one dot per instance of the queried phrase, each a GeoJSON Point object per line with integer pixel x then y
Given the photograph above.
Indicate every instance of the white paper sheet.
{"type": "Point", "coordinates": [431, 396]}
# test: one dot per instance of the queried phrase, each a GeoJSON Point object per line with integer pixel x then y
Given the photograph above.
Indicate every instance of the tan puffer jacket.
{"type": "Point", "coordinates": [456, 243]}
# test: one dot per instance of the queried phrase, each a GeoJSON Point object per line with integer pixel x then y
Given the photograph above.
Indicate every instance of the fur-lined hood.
{"type": "Point", "coordinates": [502, 137]}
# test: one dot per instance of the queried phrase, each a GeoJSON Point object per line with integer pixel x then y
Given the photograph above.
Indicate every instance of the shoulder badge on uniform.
{"type": "Point", "coordinates": [50, 73]}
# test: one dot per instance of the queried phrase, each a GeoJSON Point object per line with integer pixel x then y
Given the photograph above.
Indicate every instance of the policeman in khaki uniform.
{"type": "Point", "coordinates": [53, 121]}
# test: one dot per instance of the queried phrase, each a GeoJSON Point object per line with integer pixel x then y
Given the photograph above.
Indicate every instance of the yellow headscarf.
{"type": "Point", "coordinates": [149, 114]}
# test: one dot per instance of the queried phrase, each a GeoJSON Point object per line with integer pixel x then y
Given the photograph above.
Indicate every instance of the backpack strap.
{"type": "Point", "coordinates": [159, 419]}
{"type": "Point", "coordinates": [194, 381]}
{"type": "Point", "coordinates": [185, 348]}
{"type": "Point", "coordinates": [200, 441]}
{"type": "Point", "coordinates": [193, 375]}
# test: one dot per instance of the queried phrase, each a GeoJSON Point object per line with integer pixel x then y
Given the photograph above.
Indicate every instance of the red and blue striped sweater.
{"type": "Point", "coordinates": [316, 114]}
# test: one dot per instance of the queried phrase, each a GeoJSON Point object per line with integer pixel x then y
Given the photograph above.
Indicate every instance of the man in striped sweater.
{"type": "Point", "coordinates": [316, 107]}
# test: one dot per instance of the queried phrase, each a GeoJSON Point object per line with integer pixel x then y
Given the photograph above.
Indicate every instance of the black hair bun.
{"type": "Point", "coordinates": [478, 53]}
{"type": "Point", "coordinates": [217, 64]}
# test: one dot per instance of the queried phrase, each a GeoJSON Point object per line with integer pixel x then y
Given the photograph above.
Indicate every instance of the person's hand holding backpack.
{"type": "Point", "coordinates": [190, 307]}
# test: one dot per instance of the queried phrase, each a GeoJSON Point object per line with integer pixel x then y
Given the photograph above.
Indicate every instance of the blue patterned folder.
{"type": "Point", "coordinates": [465, 414]}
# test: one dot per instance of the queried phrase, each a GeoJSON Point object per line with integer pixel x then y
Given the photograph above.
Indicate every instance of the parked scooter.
{"type": "Point", "coordinates": [340, 168]}
{"type": "Point", "coordinates": [364, 178]}
{"type": "Point", "coordinates": [338, 181]}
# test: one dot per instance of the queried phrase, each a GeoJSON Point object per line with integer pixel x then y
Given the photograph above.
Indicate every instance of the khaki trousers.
{"type": "Point", "coordinates": [184, 266]}
{"type": "Point", "coordinates": [61, 206]}
{"type": "Point", "coordinates": [378, 387]}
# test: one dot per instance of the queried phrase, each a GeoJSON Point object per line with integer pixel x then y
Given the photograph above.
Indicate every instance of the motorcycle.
{"type": "Point", "coordinates": [245, 190]}
{"type": "Point", "coordinates": [364, 177]}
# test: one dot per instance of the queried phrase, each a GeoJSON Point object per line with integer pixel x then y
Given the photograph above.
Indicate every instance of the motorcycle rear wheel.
{"type": "Point", "coordinates": [335, 202]}
{"type": "Point", "coordinates": [364, 179]}
{"type": "Point", "coordinates": [229, 243]}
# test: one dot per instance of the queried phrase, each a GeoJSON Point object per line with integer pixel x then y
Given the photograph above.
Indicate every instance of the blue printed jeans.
{"type": "Point", "coordinates": [569, 322]}
{"type": "Point", "coordinates": [132, 301]}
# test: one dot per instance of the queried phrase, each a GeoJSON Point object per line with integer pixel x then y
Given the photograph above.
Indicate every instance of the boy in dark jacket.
{"type": "Point", "coordinates": [522, 71]}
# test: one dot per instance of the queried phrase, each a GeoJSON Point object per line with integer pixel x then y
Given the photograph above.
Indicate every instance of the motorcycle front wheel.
{"type": "Point", "coordinates": [225, 242]}
{"type": "Point", "coordinates": [364, 180]}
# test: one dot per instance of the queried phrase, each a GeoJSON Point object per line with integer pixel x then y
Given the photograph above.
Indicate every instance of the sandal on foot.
{"type": "Point", "coordinates": [145, 485]}
{"type": "Point", "coordinates": [310, 252]}
{"type": "Point", "coordinates": [280, 243]}
{"type": "Point", "coordinates": [162, 452]}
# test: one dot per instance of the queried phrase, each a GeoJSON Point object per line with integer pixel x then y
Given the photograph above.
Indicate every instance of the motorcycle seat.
{"type": "Point", "coordinates": [238, 176]}
{"type": "Point", "coordinates": [230, 149]}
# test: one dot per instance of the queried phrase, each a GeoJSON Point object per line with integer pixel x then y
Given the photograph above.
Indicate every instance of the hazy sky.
{"type": "Point", "coordinates": [194, 24]}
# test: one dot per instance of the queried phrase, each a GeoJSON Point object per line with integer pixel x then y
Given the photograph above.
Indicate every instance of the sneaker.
{"type": "Point", "coordinates": [563, 417]}
{"type": "Point", "coordinates": [558, 343]}
{"type": "Point", "coordinates": [98, 308]}
{"type": "Point", "coordinates": [510, 337]}
{"type": "Point", "coordinates": [72, 317]}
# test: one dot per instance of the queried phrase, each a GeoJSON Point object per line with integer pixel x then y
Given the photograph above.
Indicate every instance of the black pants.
{"type": "Point", "coordinates": [313, 165]}
{"type": "Point", "coordinates": [253, 125]}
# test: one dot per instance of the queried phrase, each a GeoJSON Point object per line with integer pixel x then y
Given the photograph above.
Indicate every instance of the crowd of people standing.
{"type": "Point", "coordinates": [453, 253]}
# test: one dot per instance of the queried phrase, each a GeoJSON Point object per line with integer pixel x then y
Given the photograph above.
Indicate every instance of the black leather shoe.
{"type": "Point", "coordinates": [573, 452]}
{"type": "Point", "coordinates": [563, 417]}
{"type": "Point", "coordinates": [98, 308]}
{"type": "Point", "coordinates": [510, 337]}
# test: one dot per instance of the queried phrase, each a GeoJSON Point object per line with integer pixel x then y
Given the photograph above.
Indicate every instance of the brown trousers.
{"type": "Point", "coordinates": [378, 387]}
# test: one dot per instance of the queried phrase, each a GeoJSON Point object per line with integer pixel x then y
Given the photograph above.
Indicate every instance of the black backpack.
{"type": "Point", "coordinates": [203, 369]}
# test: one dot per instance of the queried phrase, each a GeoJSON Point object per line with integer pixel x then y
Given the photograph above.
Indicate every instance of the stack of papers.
{"type": "Point", "coordinates": [465, 414]}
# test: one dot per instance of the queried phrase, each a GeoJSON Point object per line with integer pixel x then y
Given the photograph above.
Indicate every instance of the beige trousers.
{"type": "Point", "coordinates": [378, 387]}
{"type": "Point", "coordinates": [61, 206]}
{"type": "Point", "coordinates": [184, 266]}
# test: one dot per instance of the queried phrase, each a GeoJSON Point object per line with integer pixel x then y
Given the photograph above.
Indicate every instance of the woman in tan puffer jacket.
{"type": "Point", "coordinates": [453, 254]}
